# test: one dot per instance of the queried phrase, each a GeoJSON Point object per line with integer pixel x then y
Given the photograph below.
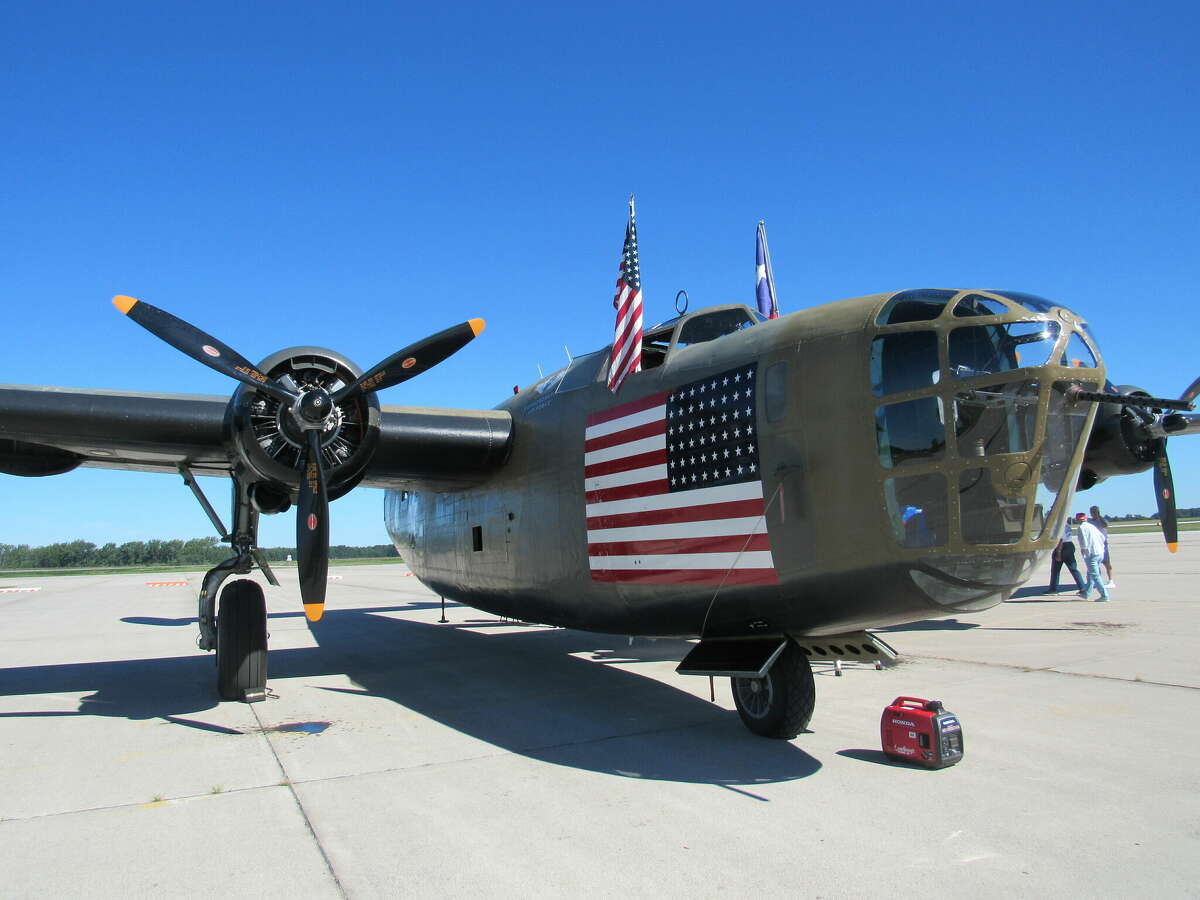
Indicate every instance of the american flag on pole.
{"type": "Point", "coordinates": [627, 338]}
{"type": "Point", "coordinates": [764, 279]}
{"type": "Point", "coordinates": [673, 490]}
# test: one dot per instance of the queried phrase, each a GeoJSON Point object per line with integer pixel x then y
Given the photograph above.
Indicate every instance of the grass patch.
{"type": "Point", "coordinates": [1147, 527]}
{"type": "Point", "coordinates": [200, 569]}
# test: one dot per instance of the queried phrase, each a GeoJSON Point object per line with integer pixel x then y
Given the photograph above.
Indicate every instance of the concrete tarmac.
{"type": "Point", "coordinates": [401, 757]}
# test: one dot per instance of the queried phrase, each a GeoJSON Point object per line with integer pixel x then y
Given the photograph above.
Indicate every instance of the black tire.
{"type": "Point", "coordinates": [781, 704]}
{"type": "Point", "coordinates": [241, 640]}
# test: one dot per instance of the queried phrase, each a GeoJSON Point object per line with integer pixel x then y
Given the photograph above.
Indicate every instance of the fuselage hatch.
{"type": "Point", "coordinates": [859, 464]}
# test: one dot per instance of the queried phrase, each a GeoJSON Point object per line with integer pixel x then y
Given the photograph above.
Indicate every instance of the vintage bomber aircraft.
{"type": "Point", "coordinates": [773, 488]}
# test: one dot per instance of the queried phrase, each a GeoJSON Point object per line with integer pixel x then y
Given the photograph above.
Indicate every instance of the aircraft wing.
{"type": "Point", "coordinates": [51, 430]}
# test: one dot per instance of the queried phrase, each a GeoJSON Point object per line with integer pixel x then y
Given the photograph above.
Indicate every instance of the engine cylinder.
{"type": "Point", "coordinates": [1118, 444]}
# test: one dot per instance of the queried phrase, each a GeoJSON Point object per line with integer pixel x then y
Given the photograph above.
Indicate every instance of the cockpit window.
{"type": "Point", "coordinates": [548, 384]}
{"type": "Point", "coordinates": [710, 326]}
{"type": "Point", "coordinates": [914, 306]}
{"type": "Point", "coordinates": [582, 371]}
{"type": "Point", "coordinates": [1077, 354]}
{"type": "Point", "coordinates": [975, 305]}
{"type": "Point", "coordinates": [903, 361]}
{"type": "Point", "coordinates": [987, 349]}
{"type": "Point", "coordinates": [1030, 301]}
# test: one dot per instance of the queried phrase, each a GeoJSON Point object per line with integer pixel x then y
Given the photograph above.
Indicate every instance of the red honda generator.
{"type": "Point", "coordinates": [921, 731]}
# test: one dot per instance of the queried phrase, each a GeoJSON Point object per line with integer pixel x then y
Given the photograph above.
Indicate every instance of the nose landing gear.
{"type": "Point", "coordinates": [780, 704]}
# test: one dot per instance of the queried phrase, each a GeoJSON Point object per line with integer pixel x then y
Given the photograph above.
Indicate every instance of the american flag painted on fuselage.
{"type": "Point", "coordinates": [673, 490]}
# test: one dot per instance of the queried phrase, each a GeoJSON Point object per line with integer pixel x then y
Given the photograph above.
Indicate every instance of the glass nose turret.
{"type": "Point", "coordinates": [977, 441]}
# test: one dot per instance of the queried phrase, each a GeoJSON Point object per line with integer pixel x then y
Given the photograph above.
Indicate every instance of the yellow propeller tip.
{"type": "Point", "coordinates": [1174, 548]}
{"type": "Point", "coordinates": [123, 303]}
{"type": "Point", "coordinates": [477, 325]}
{"type": "Point", "coordinates": [314, 611]}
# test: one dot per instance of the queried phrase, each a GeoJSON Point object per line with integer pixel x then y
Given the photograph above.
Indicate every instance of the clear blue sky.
{"type": "Point", "coordinates": [359, 175]}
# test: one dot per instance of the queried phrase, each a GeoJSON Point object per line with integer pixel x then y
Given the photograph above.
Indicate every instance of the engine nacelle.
{"type": "Point", "coordinates": [268, 443]}
{"type": "Point", "coordinates": [1119, 444]}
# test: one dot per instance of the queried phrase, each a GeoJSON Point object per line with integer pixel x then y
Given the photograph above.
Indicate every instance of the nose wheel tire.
{"type": "Point", "coordinates": [241, 640]}
{"type": "Point", "coordinates": [780, 704]}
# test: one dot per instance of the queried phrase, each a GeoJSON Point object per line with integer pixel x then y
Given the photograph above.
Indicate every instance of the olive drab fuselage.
{"type": "Point", "coordinates": [914, 455]}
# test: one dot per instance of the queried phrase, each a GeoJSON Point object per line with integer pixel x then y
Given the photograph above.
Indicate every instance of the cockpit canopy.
{"type": "Point", "coordinates": [657, 343]}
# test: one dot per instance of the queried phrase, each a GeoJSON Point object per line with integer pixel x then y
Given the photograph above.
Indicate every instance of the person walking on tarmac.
{"type": "Point", "coordinates": [1064, 554]}
{"type": "Point", "coordinates": [1098, 520]}
{"type": "Point", "coordinates": [1091, 544]}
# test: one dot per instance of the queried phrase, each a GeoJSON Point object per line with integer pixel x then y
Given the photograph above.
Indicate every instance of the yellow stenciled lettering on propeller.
{"type": "Point", "coordinates": [374, 380]}
{"type": "Point", "coordinates": [253, 373]}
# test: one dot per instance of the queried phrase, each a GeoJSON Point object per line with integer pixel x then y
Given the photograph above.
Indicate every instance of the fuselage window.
{"type": "Point", "coordinates": [903, 362]}
{"type": "Point", "coordinates": [914, 306]}
{"type": "Point", "coordinates": [987, 349]}
{"type": "Point", "coordinates": [910, 431]}
{"type": "Point", "coordinates": [776, 387]}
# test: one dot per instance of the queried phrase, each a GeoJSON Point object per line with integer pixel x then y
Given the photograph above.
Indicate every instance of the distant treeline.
{"type": "Point", "coordinates": [206, 551]}
{"type": "Point", "coordinates": [1182, 513]}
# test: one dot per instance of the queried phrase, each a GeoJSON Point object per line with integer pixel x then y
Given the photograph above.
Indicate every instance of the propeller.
{"type": "Point", "coordinates": [312, 410]}
{"type": "Point", "coordinates": [1133, 437]}
{"type": "Point", "coordinates": [1164, 493]}
{"type": "Point", "coordinates": [412, 360]}
{"type": "Point", "coordinates": [202, 347]}
{"type": "Point", "coordinates": [312, 530]}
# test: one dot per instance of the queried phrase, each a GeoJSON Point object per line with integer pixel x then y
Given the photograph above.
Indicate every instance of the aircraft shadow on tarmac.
{"type": "Point", "coordinates": [523, 691]}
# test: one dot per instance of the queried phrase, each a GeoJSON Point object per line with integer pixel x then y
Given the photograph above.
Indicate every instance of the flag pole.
{"type": "Point", "coordinates": [626, 356]}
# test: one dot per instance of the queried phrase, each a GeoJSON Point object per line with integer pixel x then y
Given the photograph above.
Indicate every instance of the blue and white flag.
{"type": "Point", "coordinates": [764, 281]}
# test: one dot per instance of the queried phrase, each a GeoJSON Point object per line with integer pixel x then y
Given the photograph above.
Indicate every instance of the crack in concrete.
{"type": "Point", "coordinates": [1056, 671]}
{"type": "Point", "coordinates": [287, 782]}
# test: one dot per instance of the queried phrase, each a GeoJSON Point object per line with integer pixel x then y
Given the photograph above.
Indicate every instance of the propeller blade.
{"type": "Point", "coordinates": [413, 359]}
{"type": "Point", "coordinates": [312, 531]}
{"type": "Point", "coordinates": [1164, 493]}
{"type": "Point", "coordinates": [1192, 392]}
{"type": "Point", "coordinates": [202, 347]}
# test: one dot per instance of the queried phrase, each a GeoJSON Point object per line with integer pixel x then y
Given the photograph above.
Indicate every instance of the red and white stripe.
{"type": "Point", "coordinates": [639, 531]}
{"type": "Point", "coordinates": [627, 337]}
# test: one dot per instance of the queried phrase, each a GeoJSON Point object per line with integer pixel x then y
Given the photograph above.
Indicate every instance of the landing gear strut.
{"type": "Point", "coordinates": [780, 704]}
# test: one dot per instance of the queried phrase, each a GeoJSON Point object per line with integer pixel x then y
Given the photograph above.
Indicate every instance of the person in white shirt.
{"type": "Point", "coordinates": [1100, 522]}
{"type": "Point", "coordinates": [1091, 544]}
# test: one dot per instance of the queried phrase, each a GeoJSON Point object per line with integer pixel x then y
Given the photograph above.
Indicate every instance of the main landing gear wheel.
{"type": "Point", "coordinates": [241, 640]}
{"type": "Point", "coordinates": [780, 704]}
